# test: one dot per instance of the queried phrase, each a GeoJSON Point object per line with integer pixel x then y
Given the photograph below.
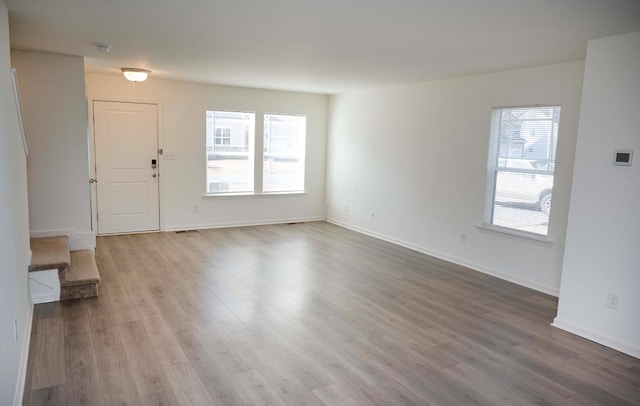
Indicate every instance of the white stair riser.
{"type": "Point", "coordinates": [44, 286]}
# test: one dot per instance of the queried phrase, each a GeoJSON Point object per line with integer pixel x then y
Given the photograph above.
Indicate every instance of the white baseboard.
{"type": "Point", "coordinates": [78, 240]}
{"type": "Point", "coordinates": [242, 223]}
{"type": "Point", "coordinates": [628, 349]}
{"type": "Point", "coordinates": [18, 395]}
{"type": "Point", "coordinates": [522, 282]}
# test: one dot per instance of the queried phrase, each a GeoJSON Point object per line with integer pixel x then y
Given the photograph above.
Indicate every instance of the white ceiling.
{"type": "Point", "coordinates": [327, 46]}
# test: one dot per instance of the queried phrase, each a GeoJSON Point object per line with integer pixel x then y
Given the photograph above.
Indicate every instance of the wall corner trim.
{"type": "Point", "coordinates": [24, 358]}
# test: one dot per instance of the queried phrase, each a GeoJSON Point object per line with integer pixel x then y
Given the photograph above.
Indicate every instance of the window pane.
{"type": "Point", "coordinates": [522, 166]}
{"type": "Point", "coordinates": [229, 151]}
{"type": "Point", "coordinates": [518, 201]}
{"type": "Point", "coordinates": [284, 153]}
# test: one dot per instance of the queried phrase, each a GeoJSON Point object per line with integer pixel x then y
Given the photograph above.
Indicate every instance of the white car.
{"type": "Point", "coordinates": [527, 188]}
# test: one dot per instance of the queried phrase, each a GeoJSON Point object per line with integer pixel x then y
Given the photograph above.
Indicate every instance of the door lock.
{"type": "Point", "coordinates": [154, 175]}
{"type": "Point", "coordinates": [93, 180]}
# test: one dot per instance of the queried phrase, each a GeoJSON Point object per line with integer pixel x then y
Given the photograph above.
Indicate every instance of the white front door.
{"type": "Point", "coordinates": [126, 144]}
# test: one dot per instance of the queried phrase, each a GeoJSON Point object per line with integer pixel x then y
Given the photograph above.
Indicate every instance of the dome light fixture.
{"type": "Point", "coordinates": [135, 74]}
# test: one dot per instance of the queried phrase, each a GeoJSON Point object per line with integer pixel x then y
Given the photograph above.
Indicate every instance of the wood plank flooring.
{"type": "Point", "coordinates": [308, 314]}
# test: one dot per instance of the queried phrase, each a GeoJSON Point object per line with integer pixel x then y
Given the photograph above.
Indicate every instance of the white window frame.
{"type": "Point", "coordinates": [255, 140]}
{"type": "Point", "coordinates": [492, 171]}
{"type": "Point", "coordinates": [302, 157]}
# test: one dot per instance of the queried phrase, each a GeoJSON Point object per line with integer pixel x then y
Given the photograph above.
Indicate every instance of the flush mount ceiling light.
{"type": "Point", "coordinates": [135, 74]}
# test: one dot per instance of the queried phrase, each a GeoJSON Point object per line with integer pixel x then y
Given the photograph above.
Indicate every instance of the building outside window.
{"type": "Point", "coordinates": [229, 152]}
{"type": "Point", "coordinates": [223, 136]}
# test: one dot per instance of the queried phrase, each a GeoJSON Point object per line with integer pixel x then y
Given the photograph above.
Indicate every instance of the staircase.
{"type": "Point", "coordinates": [61, 274]}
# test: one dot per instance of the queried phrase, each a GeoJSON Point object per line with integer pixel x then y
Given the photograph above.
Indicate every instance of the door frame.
{"type": "Point", "coordinates": [92, 157]}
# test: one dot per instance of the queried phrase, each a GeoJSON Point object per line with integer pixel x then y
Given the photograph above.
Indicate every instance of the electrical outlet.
{"type": "Point", "coordinates": [612, 301]}
{"type": "Point", "coordinates": [196, 209]}
{"type": "Point", "coordinates": [463, 237]}
{"type": "Point", "coordinates": [346, 208]}
{"type": "Point", "coordinates": [15, 330]}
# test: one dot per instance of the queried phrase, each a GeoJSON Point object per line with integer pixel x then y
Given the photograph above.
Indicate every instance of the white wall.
{"type": "Point", "coordinates": [55, 115]}
{"type": "Point", "coordinates": [14, 234]}
{"type": "Point", "coordinates": [182, 184]}
{"type": "Point", "coordinates": [602, 251]}
{"type": "Point", "coordinates": [417, 156]}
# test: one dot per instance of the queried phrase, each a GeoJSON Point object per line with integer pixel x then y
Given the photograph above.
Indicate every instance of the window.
{"type": "Point", "coordinates": [283, 153]}
{"type": "Point", "coordinates": [223, 136]}
{"type": "Point", "coordinates": [521, 166]}
{"type": "Point", "coordinates": [230, 152]}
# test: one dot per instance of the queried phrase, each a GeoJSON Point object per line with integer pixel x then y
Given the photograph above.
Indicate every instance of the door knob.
{"type": "Point", "coordinates": [154, 175]}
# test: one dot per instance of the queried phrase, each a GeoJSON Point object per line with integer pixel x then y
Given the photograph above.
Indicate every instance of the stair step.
{"type": "Point", "coordinates": [77, 270]}
{"type": "Point", "coordinates": [50, 253]}
{"type": "Point", "coordinates": [82, 278]}
{"type": "Point", "coordinates": [83, 269]}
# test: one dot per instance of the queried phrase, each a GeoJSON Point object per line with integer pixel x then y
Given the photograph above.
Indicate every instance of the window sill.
{"type": "Point", "coordinates": [514, 233]}
{"type": "Point", "coordinates": [251, 194]}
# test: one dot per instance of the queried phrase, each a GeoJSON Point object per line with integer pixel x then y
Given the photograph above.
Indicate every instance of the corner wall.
{"type": "Point", "coordinates": [55, 116]}
{"type": "Point", "coordinates": [182, 107]}
{"type": "Point", "coordinates": [602, 252]}
{"type": "Point", "coordinates": [416, 155]}
{"type": "Point", "coordinates": [15, 302]}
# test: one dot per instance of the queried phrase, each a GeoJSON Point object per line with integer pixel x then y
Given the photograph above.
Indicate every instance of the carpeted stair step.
{"type": "Point", "coordinates": [77, 270]}
{"type": "Point", "coordinates": [50, 253]}
{"type": "Point", "coordinates": [82, 277]}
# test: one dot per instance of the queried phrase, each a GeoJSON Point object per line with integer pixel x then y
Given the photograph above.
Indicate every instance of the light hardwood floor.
{"type": "Point", "coordinates": [308, 314]}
